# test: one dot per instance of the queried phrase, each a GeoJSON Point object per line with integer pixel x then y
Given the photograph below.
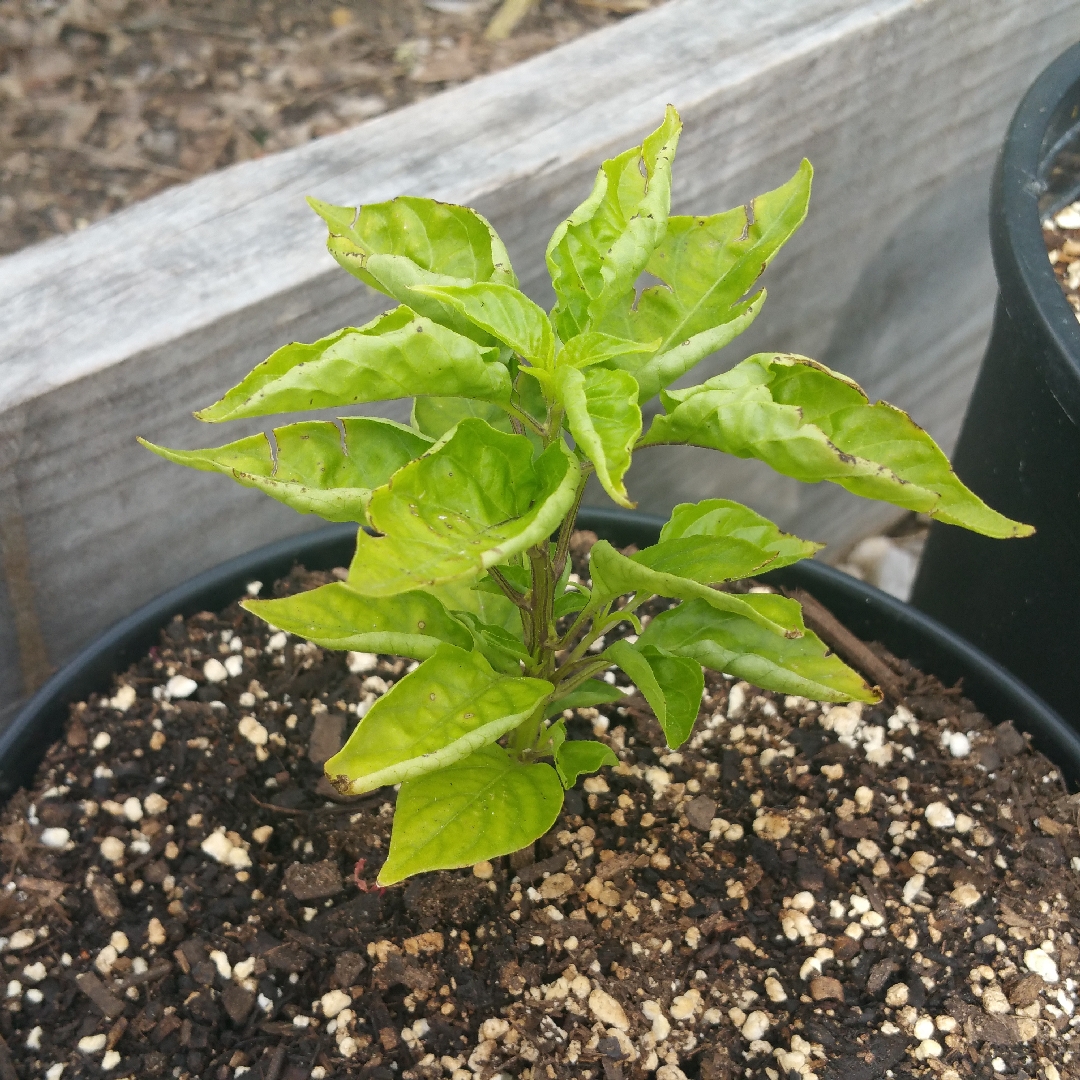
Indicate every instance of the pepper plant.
{"type": "Point", "coordinates": [466, 514]}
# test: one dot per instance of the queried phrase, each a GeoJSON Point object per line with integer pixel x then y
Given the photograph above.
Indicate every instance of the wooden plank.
{"type": "Point", "coordinates": [125, 327]}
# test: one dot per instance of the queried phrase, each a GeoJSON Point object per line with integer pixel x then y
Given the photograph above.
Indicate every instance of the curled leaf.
{"type": "Point", "coordinates": [813, 424]}
{"type": "Point", "coordinates": [318, 468]}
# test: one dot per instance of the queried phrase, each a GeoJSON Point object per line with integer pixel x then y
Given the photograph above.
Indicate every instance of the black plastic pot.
{"type": "Point", "coordinates": [865, 610]}
{"type": "Point", "coordinates": [1019, 447]}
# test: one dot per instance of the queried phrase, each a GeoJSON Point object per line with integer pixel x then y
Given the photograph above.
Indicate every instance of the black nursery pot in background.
{"type": "Point", "coordinates": [1019, 448]}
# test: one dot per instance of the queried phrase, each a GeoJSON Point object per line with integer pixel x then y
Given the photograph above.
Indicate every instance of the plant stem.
{"type": "Point", "coordinates": [508, 590]}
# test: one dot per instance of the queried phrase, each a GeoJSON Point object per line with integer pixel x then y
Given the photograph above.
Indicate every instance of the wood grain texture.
{"type": "Point", "coordinates": [124, 328]}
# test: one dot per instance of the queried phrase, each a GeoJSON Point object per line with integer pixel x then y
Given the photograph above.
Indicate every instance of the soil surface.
{"type": "Point", "coordinates": [1062, 236]}
{"type": "Point", "coordinates": [802, 892]}
{"type": "Point", "coordinates": [104, 102]}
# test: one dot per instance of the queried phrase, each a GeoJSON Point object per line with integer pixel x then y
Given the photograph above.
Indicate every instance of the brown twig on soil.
{"type": "Point", "coordinates": [842, 641]}
{"type": "Point", "coordinates": [277, 1062]}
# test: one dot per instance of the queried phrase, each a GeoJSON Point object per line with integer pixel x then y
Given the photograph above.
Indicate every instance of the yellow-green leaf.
{"type": "Point", "coordinates": [480, 808]}
{"type": "Point", "coordinates": [318, 468]}
{"type": "Point", "coordinates": [451, 705]}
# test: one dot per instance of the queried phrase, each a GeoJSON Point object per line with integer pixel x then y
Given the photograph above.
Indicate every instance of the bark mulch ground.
{"type": "Point", "coordinates": [105, 102]}
{"type": "Point", "coordinates": [802, 892]}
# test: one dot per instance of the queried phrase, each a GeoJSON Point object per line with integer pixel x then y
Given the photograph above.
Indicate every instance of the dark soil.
{"type": "Point", "coordinates": [803, 892]}
{"type": "Point", "coordinates": [104, 102]}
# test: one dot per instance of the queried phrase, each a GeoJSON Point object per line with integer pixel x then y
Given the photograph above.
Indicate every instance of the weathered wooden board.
{"type": "Point", "coordinates": [126, 327]}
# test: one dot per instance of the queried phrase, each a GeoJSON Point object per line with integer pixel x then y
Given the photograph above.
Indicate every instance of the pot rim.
{"type": "Point", "coordinates": [1017, 243]}
{"type": "Point", "coordinates": [867, 611]}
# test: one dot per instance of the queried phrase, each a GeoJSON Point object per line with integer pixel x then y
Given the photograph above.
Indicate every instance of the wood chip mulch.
{"type": "Point", "coordinates": [105, 102]}
{"type": "Point", "coordinates": [803, 892]}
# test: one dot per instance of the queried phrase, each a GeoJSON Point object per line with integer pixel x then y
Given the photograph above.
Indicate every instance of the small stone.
{"type": "Point", "coordinates": [313, 881]}
{"type": "Point", "coordinates": [361, 662]}
{"type": "Point", "coordinates": [112, 849]}
{"type": "Point", "coordinates": [253, 731]}
{"type": "Point", "coordinates": [685, 1005]}
{"type": "Point", "coordinates": [595, 785]}
{"type": "Point", "coordinates": [347, 969]}
{"type": "Point", "coordinates": [155, 932]}
{"type": "Point", "coordinates": [215, 671]}
{"type": "Point", "coordinates": [333, 1002]}
{"type": "Point", "coordinates": [238, 1003]}
{"type": "Point", "coordinates": [110, 1060]}
{"type": "Point", "coordinates": [755, 1025]}
{"type": "Point", "coordinates": [939, 816]}
{"type": "Point", "coordinates": [327, 737]}
{"type": "Point", "coordinates": [966, 895]}
{"type": "Point", "coordinates": [654, 1013]}
{"type": "Point", "coordinates": [154, 804]}
{"type": "Point", "coordinates": [123, 699]}
{"type": "Point", "coordinates": [119, 941]}
{"type": "Point", "coordinates": [921, 861]}
{"type": "Point", "coordinates": [770, 825]}
{"type": "Point", "coordinates": [551, 888]}
{"type": "Point", "coordinates": [494, 1028]}
{"type": "Point", "coordinates": [607, 1010]}
{"type": "Point", "coordinates": [262, 834]}
{"type": "Point", "coordinates": [55, 838]}
{"type": "Point", "coordinates": [959, 745]}
{"type": "Point", "coordinates": [994, 1000]}
{"type": "Point", "coordinates": [1007, 740]}
{"type": "Point", "coordinates": [1040, 963]}
{"type": "Point", "coordinates": [1026, 991]}
{"type": "Point", "coordinates": [824, 988]}
{"type": "Point", "coordinates": [924, 1028]}
{"type": "Point", "coordinates": [157, 740]}
{"type": "Point", "coordinates": [483, 870]}
{"type": "Point", "coordinates": [700, 813]}
{"type": "Point", "coordinates": [180, 686]}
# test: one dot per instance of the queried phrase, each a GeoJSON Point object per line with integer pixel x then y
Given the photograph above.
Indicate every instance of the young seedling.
{"type": "Point", "coordinates": [462, 560]}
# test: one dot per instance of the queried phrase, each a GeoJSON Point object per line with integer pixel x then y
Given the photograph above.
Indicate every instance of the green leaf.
{"type": "Point", "coordinates": [315, 470]}
{"type": "Point", "coordinates": [451, 705]}
{"type": "Point", "coordinates": [589, 693]}
{"type": "Point", "coordinates": [603, 416]}
{"type": "Point", "coordinates": [468, 504]}
{"type": "Point", "coordinates": [480, 808]}
{"type": "Point", "coordinates": [614, 574]}
{"type": "Point", "coordinates": [672, 685]}
{"type": "Point", "coordinates": [592, 348]}
{"type": "Point", "coordinates": [435, 416]}
{"type": "Point", "coordinates": [595, 255]}
{"type": "Point", "coordinates": [570, 602]}
{"type": "Point", "coordinates": [728, 642]}
{"type": "Point", "coordinates": [706, 265]}
{"type": "Point", "coordinates": [813, 424]}
{"type": "Point", "coordinates": [410, 624]}
{"type": "Point", "coordinates": [503, 649]}
{"type": "Point", "coordinates": [490, 607]}
{"type": "Point", "coordinates": [399, 354]}
{"type": "Point", "coordinates": [577, 756]}
{"type": "Point", "coordinates": [721, 519]}
{"type": "Point", "coordinates": [504, 312]}
{"type": "Point", "coordinates": [396, 245]}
